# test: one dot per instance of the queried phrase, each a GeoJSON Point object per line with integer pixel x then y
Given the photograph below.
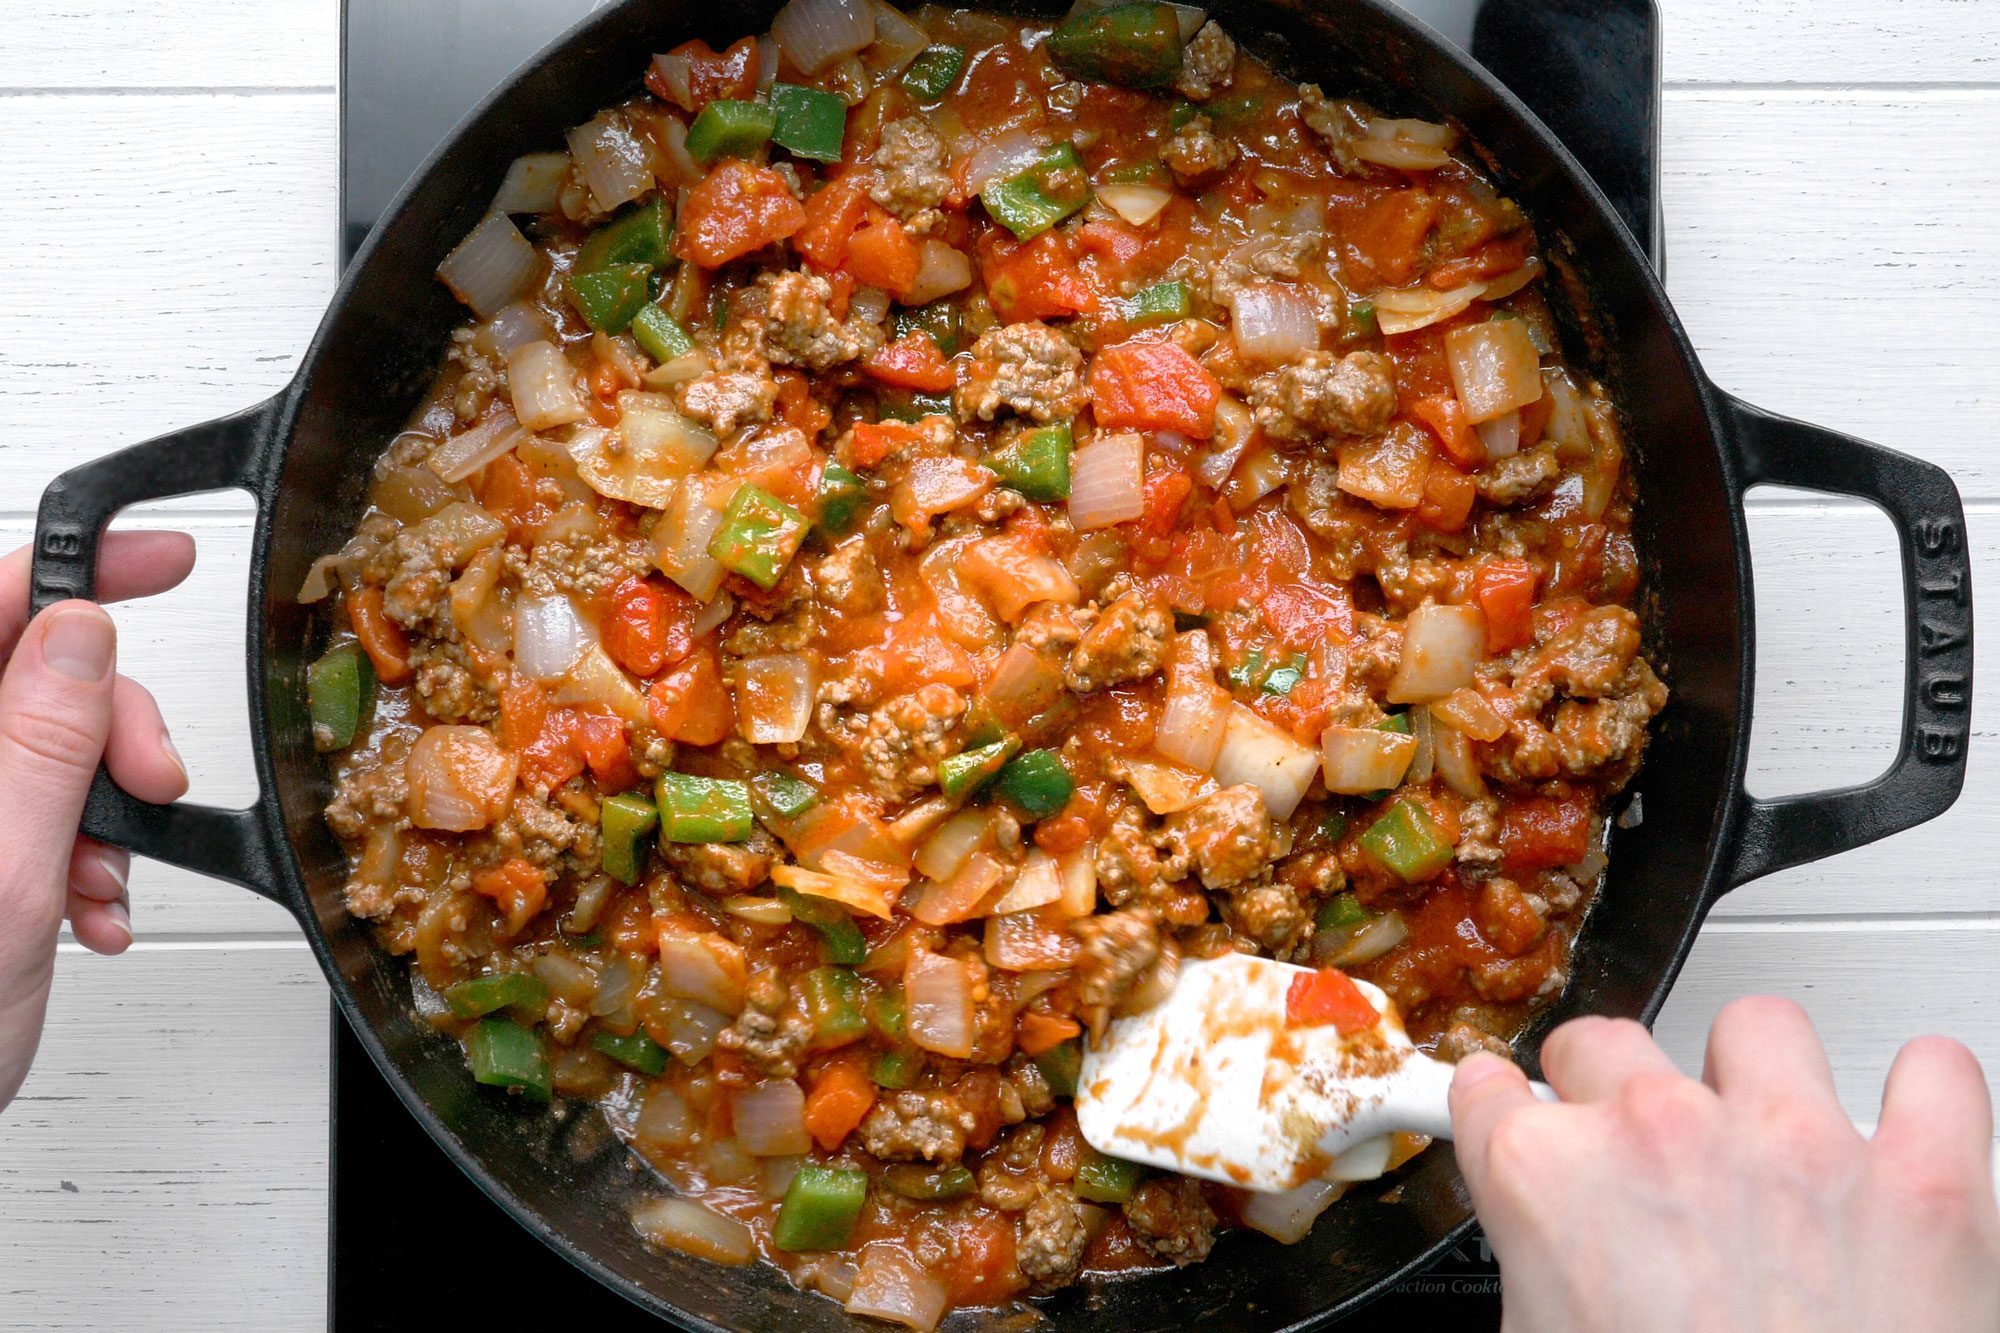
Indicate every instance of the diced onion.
{"type": "Point", "coordinates": [858, 894]}
{"type": "Point", "coordinates": [1469, 711]}
{"type": "Point", "coordinates": [897, 42]}
{"type": "Point", "coordinates": [774, 698]}
{"type": "Point", "coordinates": [1255, 752]}
{"type": "Point", "coordinates": [1386, 146]}
{"type": "Point", "coordinates": [543, 384]}
{"type": "Point", "coordinates": [599, 682]}
{"type": "Point", "coordinates": [568, 980]}
{"type": "Point", "coordinates": [548, 637]}
{"type": "Point", "coordinates": [687, 1028]}
{"type": "Point", "coordinates": [941, 270]}
{"type": "Point", "coordinates": [1262, 472]}
{"type": "Point", "coordinates": [1456, 761]}
{"type": "Point", "coordinates": [682, 369]}
{"type": "Point", "coordinates": [1006, 154]}
{"type": "Point", "coordinates": [933, 486]}
{"type": "Point", "coordinates": [705, 968]}
{"type": "Point", "coordinates": [815, 33]}
{"type": "Point", "coordinates": [654, 448]}
{"type": "Point", "coordinates": [1366, 1160]}
{"type": "Point", "coordinates": [321, 577]}
{"type": "Point", "coordinates": [1569, 425]}
{"type": "Point", "coordinates": [768, 55]}
{"type": "Point", "coordinates": [664, 1119]}
{"type": "Point", "coordinates": [1165, 788]}
{"type": "Point", "coordinates": [1025, 942]}
{"type": "Point", "coordinates": [1107, 481]}
{"type": "Point", "coordinates": [482, 611]}
{"type": "Point", "coordinates": [509, 327]}
{"type": "Point", "coordinates": [1371, 941]}
{"type": "Point", "coordinates": [771, 1119]}
{"type": "Point", "coordinates": [963, 896]}
{"type": "Point", "coordinates": [1388, 470]}
{"type": "Point", "coordinates": [1442, 646]}
{"type": "Point", "coordinates": [492, 267]}
{"type": "Point", "coordinates": [1137, 204]}
{"type": "Point", "coordinates": [680, 541]}
{"type": "Point", "coordinates": [1036, 884]}
{"type": "Point", "coordinates": [960, 614]}
{"type": "Point", "coordinates": [459, 530]}
{"type": "Point", "coordinates": [674, 72]}
{"type": "Point", "coordinates": [1362, 759]}
{"type": "Point", "coordinates": [686, 1226]}
{"type": "Point", "coordinates": [713, 614]}
{"type": "Point", "coordinates": [890, 1285]}
{"type": "Point", "coordinates": [459, 779]}
{"type": "Point", "coordinates": [1024, 683]}
{"type": "Point", "coordinates": [470, 450]}
{"type": "Point", "coordinates": [1501, 436]}
{"type": "Point", "coordinates": [1494, 367]}
{"type": "Point", "coordinates": [1273, 322]}
{"type": "Point", "coordinates": [938, 994]}
{"type": "Point", "coordinates": [1403, 310]}
{"type": "Point", "coordinates": [758, 911]}
{"type": "Point", "coordinates": [533, 183]}
{"type": "Point", "coordinates": [1079, 880]}
{"type": "Point", "coordinates": [1504, 286]}
{"type": "Point", "coordinates": [1197, 713]}
{"type": "Point", "coordinates": [613, 160]}
{"type": "Point", "coordinates": [683, 169]}
{"type": "Point", "coordinates": [1424, 760]}
{"type": "Point", "coordinates": [412, 494]}
{"type": "Point", "coordinates": [1014, 579]}
{"type": "Point", "coordinates": [617, 984]}
{"type": "Point", "coordinates": [1234, 429]}
{"type": "Point", "coordinates": [1287, 1217]}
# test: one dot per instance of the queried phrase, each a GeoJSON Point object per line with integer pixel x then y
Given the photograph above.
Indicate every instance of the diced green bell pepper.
{"type": "Point", "coordinates": [1133, 46]}
{"type": "Point", "coordinates": [610, 298]}
{"type": "Point", "coordinates": [503, 990]}
{"type": "Point", "coordinates": [1343, 911]}
{"type": "Point", "coordinates": [1102, 1179]}
{"type": "Point", "coordinates": [788, 796]}
{"type": "Point", "coordinates": [1285, 678]}
{"type": "Point", "coordinates": [1249, 673]}
{"type": "Point", "coordinates": [507, 1055]}
{"type": "Point", "coordinates": [1160, 303]}
{"type": "Point", "coordinates": [637, 1051]}
{"type": "Point", "coordinates": [1038, 782]}
{"type": "Point", "coordinates": [820, 1207]}
{"type": "Point", "coordinates": [840, 495]}
{"type": "Point", "coordinates": [1406, 841]}
{"type": "Point", "coordinates": [930, 1184]}
{"type": "Point", "coordinates": [729, 128]}
{"type": "Point", "coordinates": [660, 335]}
{"type": "Point", "coordinates": [833, 998]}
{"type": "Point", "coordinates": [810, 123]}
{"type": "Point", "coordinates": [1334, 825]}
{"type": "Point", "coordinates": [896, 1069]}
{"type": "Point", "coordinates": [1031, 201]}
{"type": "Point", "coordinates": [759, 536]}
{"type": "Point", "coordinates": [844, 942]}
{"type": "Point", "coordinates": [1396, 722]}
{"type": "Point", "coordinates": [696, 809]}
{"type": "Point", "coordinates": [1361, 319]}
{"type": "Point", "coordinates": [623, 823]}
{"type": "Point", "coordinates": [966, 772]}
{"type": "Point", "coordinates": [338, 689]}
{"type": "Point", "coordinates": [934, 72]}
{"type": "Point", "coordinates": [912, 407]}
{"type": "Point", "coordinates": [942, 321]}
{"type": "Point", "coordinates": [889, 1012]}
{"type": "Point", "coordinates": [642, 234]}
{"type": "Point", "coordinates": [1181, 113]}
{"type": "Point", "coordinates": [1061, 1066]}
{"type": "Point", "coordinates": [1036, 462]}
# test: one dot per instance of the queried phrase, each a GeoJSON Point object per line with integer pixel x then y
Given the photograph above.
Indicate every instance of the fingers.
{"type": "Point", "coordinates": [1762, 1048]}
{"type": "Point", "coordinates": [129, 564]}
{"type": "Point", "coordinates": [1936, 1100]}
{"type": "Point", "coordinates": [1485, 1090]}
{"type": "Point", "coordinates": [99, 911]}
{"type": "Point", "coordinates": [1592, 1059]}
{"type": "Point", "coordinates": [139, 752]}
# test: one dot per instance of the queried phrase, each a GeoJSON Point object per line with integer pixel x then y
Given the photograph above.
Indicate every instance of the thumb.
{"type": "Point", "coordinates": [55, 713]}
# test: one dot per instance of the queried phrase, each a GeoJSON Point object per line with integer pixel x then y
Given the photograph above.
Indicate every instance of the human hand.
{"type": "Point", "coordinates": [1746, 1201]}
{"type": "Point", "coordinates": [62, 710]}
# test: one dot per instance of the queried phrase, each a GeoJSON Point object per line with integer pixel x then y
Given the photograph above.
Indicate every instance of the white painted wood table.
{"type": "Point", "coordinates": [1832, 175]}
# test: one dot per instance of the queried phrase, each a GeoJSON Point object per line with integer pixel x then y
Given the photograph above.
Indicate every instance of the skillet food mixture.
{"type": "Point", "coordinates": [933, 520]}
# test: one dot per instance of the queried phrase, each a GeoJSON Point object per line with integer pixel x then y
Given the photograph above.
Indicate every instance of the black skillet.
{"type": "Point", "coordinates": [305, 455]}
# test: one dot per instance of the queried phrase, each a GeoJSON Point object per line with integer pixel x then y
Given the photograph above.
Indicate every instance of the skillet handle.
{"type": "Point", "coordinates": [224, 454]}
{"type": "Point", "coordinates": [1929, 767]}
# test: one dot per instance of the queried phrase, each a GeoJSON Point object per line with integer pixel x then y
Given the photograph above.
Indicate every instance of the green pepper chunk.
{"type": "Point", "coordinates": [896, 1069]}
{"type": "Point", "coordinates": [660, 335]}
{"type": "Point", "coordinates": [942, 321]}
{"type": "Point", "coordinates": [1343, 911]}
{"type": "Point", "coordinates": [1406, 841]}
{"type": "Point", "coordinates": [759, 536]}
{"type": "Point", "coordinates": [1161, 303]}
{"type": "Point", "coordinates": [623, 823]}
{"type": "Point", "coordinates": [339, 688]}
{"type": "Point", "coordinates": [1036, 462]}
{"type": "Point", "coordinates": [696, 809]}
{"type": "Point", "coordinates": [1282, 680]}
{"type": "Point", "coordinates": [1133, 46]}
{"type": "Point", "coordinates": [1396, 722]}
{"type": "Point", "coordinates": [1249, 673]}
{"type": "Point", "coordinates": [889, 1012]}
{"type": "Point", "coordinates": [729, 128]}
{"type": "Point", "coordinates": [507, 1055]}
{"type": "Point", "coordinates": [503, 990]}
{"type": "Point", "coordinates": [1061, 1066]}
{"type": "Point", "coordinates": [1361, 316]}
{"type": "Point", "coordinates": [912, 407]}
{"type": "Point", "coordinates": [833, 998]}
{"type": "Point", "coordinates": [844, 942]}
{"type": "Point", "coordinates": [840, 495]}
{"type": "Point", "coordinates": [1031, 201]}
{"type": "Point", "coordinates": [1181, 113]}
{"type": "Point", "coordinates": [819, 1209]}
{"type": "Point", "coordinates": [934, 72]}
{"type": "Point", "coordinates": [966, 772]}
{"type": "Point", "coordinates": [1037, 782]}
{"type": "Point", "coordinates": [1334, 825]}
{"type": "Point", "coordinates": [642, 234]}
{"type": "Point", "coordinates": [637, 1051]}
{"type": "Point", "coordinates": [809, 123]}
{"type": "Point", "coordinates": [930, 1184]}
{"type": "Point", "coordinates": [1102, 1179]}
{"type": "Point", "coordinates": [788, 796]}
{"type": "Point", "coordinates": [610, 298]}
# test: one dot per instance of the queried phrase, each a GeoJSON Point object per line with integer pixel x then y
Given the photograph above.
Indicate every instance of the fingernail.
{"type": "Point", "coordinates": [167, 749]}
{"type": "Point", "coordinates": [116, 866]}
{"type": "Point", "coordinates": [1476, 1068]}
{"type": "Point", "coordinates": [120, 913]}
{"type": "Point", "coordinates": [79, 644]}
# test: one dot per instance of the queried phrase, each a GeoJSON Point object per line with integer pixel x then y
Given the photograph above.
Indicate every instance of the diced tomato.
{"type": "Point", "coordinates": [1035, 1033]}
{"type": "Point", "coordinates": [1166, 490]}
{"type": "Point", "coordinates": [797, 407]}
{"type": "Point", "coordinates": [1385, 241]}
{"type": "Point", "coordinates": [381, 638]}
{"type": "Point", "coordinates": [881, 254]}
{"type": "Point", "coordinates": [1448, 497]}
{"type": "Point", "coordinates": [915, 654]}
{"type": "Point", "coordinates": [1153, 386]}
{"type": "Point", "coordinates": [1540, 833]}
{"type": "Point", "coordinates": [1329, 996]}
{"type": "Point", "coordinates": [518, 496]}
{"type": "Point", "coordinates": [1505, 590]}
{"type": "Point", "coordinates": [737, 209]}
{"type": "Point", "coordinates": [841, 1097]}
{"type": "Point", "coordinates": [712, 75]}
{"type": "Point", "coordinates": [551, 758]}
{"type": "Point", "coordinates": [832, 214]}
{"type": "Point", "coordinates": [872, 441]}
{"type": "Point", "coordinates": [516, 887]}
{"type": "Point", "coordinates": [629, 926]}
{"type": "Point", "coordinates": [1302, 614]}
{"type": "Point", "coordinates": [1037, 279]}
{"type": "Point", "coordinates": [1062, 833]}
{"type": "Point", "coordinates": [1445, 415]}
{"type": "Point", "coordinates": [1502, 255]}
{"type": "Point", "coordinates": [634, 626]}
{"type": "Point", "coordinates": [524, 707]}
{"type": "Point", "coordinates": [690, 703]}
{"type": "Point", "coordinates": [984, 1269]}
{"type": "Point", "coordinates": [913, 361]}
{"type": "Point", "coordinates": [604, 745]}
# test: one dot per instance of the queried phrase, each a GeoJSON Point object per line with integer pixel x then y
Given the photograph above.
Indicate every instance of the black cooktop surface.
{"type": "Point", "coordinates": [412, 1243]}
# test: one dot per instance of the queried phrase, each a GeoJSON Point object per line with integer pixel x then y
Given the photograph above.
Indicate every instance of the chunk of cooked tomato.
{"type": "Point", "coordinates": [1329, 996]}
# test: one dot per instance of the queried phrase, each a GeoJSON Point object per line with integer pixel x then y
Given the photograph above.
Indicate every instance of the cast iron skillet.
{"type": "Point", "coordinates": [305, 455]}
